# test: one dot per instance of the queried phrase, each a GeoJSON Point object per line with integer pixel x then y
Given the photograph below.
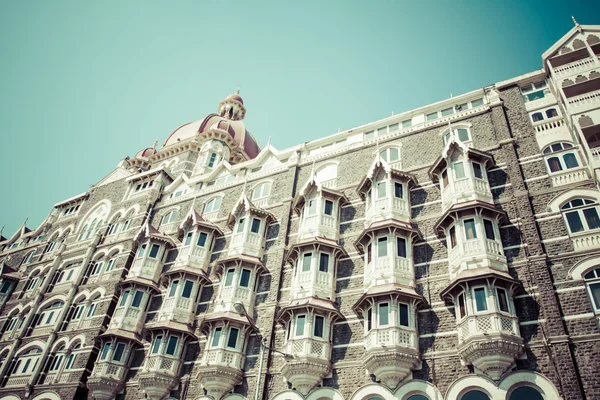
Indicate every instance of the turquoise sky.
{"type": "Point", "coordinates": [85, 83]}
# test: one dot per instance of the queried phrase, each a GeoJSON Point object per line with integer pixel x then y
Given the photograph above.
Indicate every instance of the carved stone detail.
{"type": "Point", "coordinates": [305, 373]}
{"type": "Point", "coordinates": [391, 365]}
{"type": "Point", "coordinates": [492, 354]}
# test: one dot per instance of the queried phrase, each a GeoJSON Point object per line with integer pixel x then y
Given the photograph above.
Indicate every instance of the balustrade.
{"type": "Point", "coordinates": [309, 346]}
{"type": "Point", "coordinates": [108, 369]}
{"type": "Point", "coordinates": [389, 269]}
{"type": "Point", "coordinates": [221, 356]}
{"type": "Point", "coordinates": [319, 225]}
{"type": "Point", "coordinates": [473, 248]}
{"type": "Point", "coordinates": [391, 336]}
{"type": "Point", "coordinates": [481, 324]}
{"type": "Point", "coordinates": [162, 363]}
{"type": "Point", "coordinates": [148, 268]}
{"type": "Point", "coordinates": [466, 189]}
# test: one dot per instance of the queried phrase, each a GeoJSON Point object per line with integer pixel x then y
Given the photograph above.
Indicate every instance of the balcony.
{"type": "Point", "coordinates": [220, 370]}
{"type": "Point", "coordinates": [18, 380]}
{"type": "Point", "coordinates": [569, 176]}
{"type": "Point", "coordinates": [86, 323]}
{"type": "Point", "coordinates": [491, 342]}
{"type": "Point", "coordinates": [193, 257]}
{"type": "Point", "coordinates": [319, 225]}
{"type": "Point", "coordinates": [129, 319]}
{"type": "Point", "coordinates": [466, 189]}
{"type": "Point", "coordinates": [233, 294]}
{"type": "Point", "coordinates": [538, 99]}
{"type": "Point", "coordinates": [588, 240]}
{"type": "Point", "coordinates": [468, 254]}
{"type": "Point", "coordinates": [42, 330]}
{"type": "Point", "coordinates": [390, 269]}
{"type": "Point", "coordinates": [179, 309]}
{"type": "Point", "coordinates": [584, 102]}
{"type": "Point", "coordinates": [159, 376]}
{"type": "Point", "coordinates": [574, 67]}
{"type": "Point", "coordinates": [391, 353]}
{"type": "Point", "coordinates": [145, 268]}
{"type": "Point", "coordinates": [387, 208]}
{"type": "Point", "coordinates": [106, 380]}
{"type": "Point", "coordinates": [6, 336]}
{"type": "Point", "coordinates": [311, 363]}
{"type": "Point", "coordinates": [313, 283]}
{"type": "Point", "coordinates": [246, 243]}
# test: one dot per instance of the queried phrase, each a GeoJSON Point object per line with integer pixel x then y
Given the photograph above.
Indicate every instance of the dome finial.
{"type": "Point", "coordinates": [155, 144]}
{"type": "Point", "coordinates": [238, 90]}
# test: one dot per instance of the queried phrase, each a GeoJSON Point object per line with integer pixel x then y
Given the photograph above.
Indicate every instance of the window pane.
{"type": "Point", "coordinates": [300, 321]}
{"type": "Point", "coordinates": [401, 247]}
{"type": "Point", "coordinates": [383, 155]}
{"type": "Point", "coordinates": [453, 237]}
{"type": "Point", "coordinates": [255, 225]}
{"type": "Point", "coordinates": [328, 207]}
{"type": "Point", "coordinates": [476, 103]}
{"type": "Point", "coordinates": [574, 221]}
{"type": "Point", "coordinates": [216, 337]}
{"type": "Point", "coordinates": [403, 311]}
{"type": "Point", "coordinates": [382, 247]}
{"type": "Point", "coordinates": [241, 223]}
{"type": "Point", "coordinates": [188, 238]}
{"type": "Point", "coordinates": [398, 192]}
{"type": "Point", "coordinates": [381, 189]}
{"type": "Point", "coordinates": [118, 354]}
{"type": "Point", "coordinates": [141, 251]}
{"type": "Point", "coordinates": [445, 178]}
{"type": "Point", "coordinates": [229, 277]}
{"type": "Point", "coordinates": [312, 207]}
{"type": "Point", "coordinates": [124, 298]}
{"type": "Point", "coordinates": [470, 232]}
{"type": "Point", "coordinates": [319, 323]}
{"type": "Point", "coordinates": [525, 393]}
{"type": "Point", "coordinates": [173, 288]}
{"type": "Point", "coordinates": [156, 344]}
{"type": "Point", "coordinates": [554, 164]}
{"type": "Point", "coordinates": [475, 395]}
{"type": "Point", "coordinates": [187, 289]}
{"type": "Point", "coordinates": [502, 300]}
{"type": "Point", "coordinates": [202, 239]}
{"type": "Point", "coordinates": [570, 160]}
{"type": "Point", "coordinates": [463, 135]}
{"type": "Point", "coordinates": [447, 111]}
{"type": "Point", "coordinates": [245, 278]}
{"type": "Point", "coordinates": [394, 154]}
{"type": "Point", "coordinates": [154, 250]}
{"type": "Point", "coordinates": [591, 216]}
{"type": "Point", "coordinates": [431, 116]}
{"type": "Point", "coordinates": [459, 170]}
{"type": "Point", "coordinates": [477, 170]}
{"type": "Point", "coordinates": [306, 262]}
{"type": "Point", "coordinates": [407, 123]}
{"type": "Point", "coordinates": [461, 305]}
{"type": "Point", "coordinates": [105, 351]}
{"type": "Point", "coordinates": [489, 229]}
{"type": "Point", "coordinates": [595, 290]}
{"type": "Point", "coordinates": [324, 262]}
{"type": "Point", "coordinates": [233, 336]}
{"type": "Point", "coordinates": [383, 314]}
{"type": "Point", "coordinates": [369, 319]}
{"type": "Point", "coordinates": [172, 345]}
{"type": "Point", "coordinates": [480, 300]}
{"type": "Point", "coordinates": [137, 299]}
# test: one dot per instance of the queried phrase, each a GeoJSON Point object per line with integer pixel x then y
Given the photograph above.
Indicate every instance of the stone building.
{"type": "Point", "coordinates": [448, 252]}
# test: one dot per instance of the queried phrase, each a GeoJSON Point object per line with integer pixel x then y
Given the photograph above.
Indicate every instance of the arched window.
{"type": "Point", "coordinates": [58, 359]}
{"type": "Point", "coordinates": [536, 117]}
{"type": "Point", "coordinates": [169, 217]}
{"type": "Point", "coordinates": [94, 221]}
{"type": "Point", "coordinates": [560, 156]}
{"type": "Point", "coordinates": [525, 393]}
{"type": "Point", "coordinates": [551, 113]}
{"type": "Point", "coordinates": [72, 357]}
{"type": "Point", "coordinates": [261, 191]}
{"type": "Point", "coordinates": [110, 264]}
{"type": "Point", "coordinates": [327, 173]}
{"type": "Point", "coordinates": [581, 215]}
{"type": "Point", "coordinates": [418, 397]}
{"type": "Point", "coordinates": [26, 362]}
{"type": "Point", "coordinates": [475, 395]}
{"type": "Point", "coordinates": [390, 155]}
{"type": "Point", "coordinates": [592, 281]}
{"type": "Point", "coordinates": [113, 227]}
{"type": "Point", "coordinates": [213, 205]}
{"type": "Point", "coordinates": [128, 221]}
{"type": "Point", "coordinates": [28, 258]}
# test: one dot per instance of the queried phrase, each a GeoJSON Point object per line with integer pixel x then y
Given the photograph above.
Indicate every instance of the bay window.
{"type": "Point", "coordinates": [480, 296]}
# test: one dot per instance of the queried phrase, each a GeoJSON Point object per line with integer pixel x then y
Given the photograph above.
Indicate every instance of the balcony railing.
{"type": "Point", "coordinates": [575, 66]}
{"type": "Point", "coordinates": [162, 363]}
{"type": "Point", "coordinates": [85, 323]}
{"type": "Point", "coordinates": [211, 216]}
{"type": "Point", "coordinates": [18, 380]}
{"type": "Point", "coordinates": [220, 356]}
{"type": "Point", "coordinates": [473, 248]}
{"type": "Point", "coordinates": [584, 99]}
{"type": "Point", "coordinates": [391, 336]}
{"type": "Point", "coordinates": [42, 330]}
{"type": "Point", "coordinates": [481, 324]}
{"type": "Point", "coordinates": [319, 225]}
{"type": "Point", "coordinates": [108, 369]}
{"type": "Point", "coordinates": [309, 346]}
{"type": "Point", "coordinates": [177, 309]}
{"type": "Point", "coordinates": [313, 283]}
{"type": "Point", "coordinates": [387, 208]}
{"type": "Point", "coordinates": [192, 256]}
{"type": "Point", "coordinates": [466, 189]}
{"type": "Point", "coordinates": [586, 241]}
{"type": "Point", "coordinates": [569, 176]}
{"type": "Point", "coordinates": [389, 269]}
{"type": "Point", "coordinates": [148, 268]}
{"type": "Point", "coordinates": [129, 319]}
{"type": "Point", "coordinates": [246, 243]}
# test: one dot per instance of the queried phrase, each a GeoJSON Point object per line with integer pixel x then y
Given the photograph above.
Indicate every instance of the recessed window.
{"type": "Point", "coordinates": [452, 234]}
{"type": "Point", "coordinates": [480, 299]}
{"type": "Point", "coordinates": [489, 229]}
{"type": "Point", "coordinates": [173, 290]}
{"type": "Point", "coordinates": [403, 313]}
{"type": "Point", "coordinates": [382, 247]}
{"type": "Point", "coordinates": [118, 354]}
{"type": "Point", "coordinates": [447, 111]}
{"type": "Point", "coordinates": [216, 337]}
{"type": "Point", "coordinates": [255, 228]}
{"type": "Point", "coordinates": [300, 322]}
{"type": "Point", "coordinates": [381, 189]}
{"type": "Point", "coordinates": [137, 299]}
{"type": "Point", "coordinates": [432, 116]}
{"type": "Point", "coordinates": [188, 239]}
{"type": "Point", "coordinates": [319, 325]}
{"type": "Point", "coordinates": [459, 170]}
{"type": "Point", "coordinates": [202, 239]}
{"type": "Point", "coordinates": [156, 344]}
{"type": "Point", "coordinates": [169, 217]}
{"type": "Point", "coordinates": [384, 314]}
{"type": "Point", "coordinates": [233, 337]}
{"type": "Point", "coordinates": [240, 227]}
{"type": "Point", "coordinates": [154, 250]}
{"type": "Point", "coordinates": [477, 170]}
{"type": "Point", "coordinates": [211, 160]}
{"type": "Point", "coordinates": [245, 278]}
{"type": "Point", "coordinates": [502, 300]}
{"type": "Point", "coordinates": [462, 310]}
{"type": "Point", "coordinates": [398, 190]}
{"type": "Point", "coordinates": [328, 207]}
{"type": "Point", "coordinates": [229, 277]}
{"type": "Point", "coordinates": [470, 231]}
{"type": "Point", "coordinates": [592, 280]}
{"type": "Point", "coordinates": [401, 247]}
{"type": "Point", "coordinates": [172, 345]}
{"type": "Point", "coordinates": [369, 319]}
{"type": "Point", "coordinates": [407, 123]}
{"type": "Point", "coordinates": [525, 393]}
{"type": "Point", "coordinates": [324, 262]}
{"type": "Point", "coordinates": [306, 260]}
{"type": "Point", "coordinates": [105, 350]}
{"type": "Point", "coordinates": [124, 298]}
{"type": "Point", "coordinates": [581, 215]}
{"type": "Point", "coordinates": [187, 289]}
{"type": "Point", "coordinates": [475, 395]}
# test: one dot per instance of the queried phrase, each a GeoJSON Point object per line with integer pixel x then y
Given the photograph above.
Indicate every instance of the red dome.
{"type": "Point", "coordinates": [145, 153]}
{"type": "Point", "coordinates": [236, 97]}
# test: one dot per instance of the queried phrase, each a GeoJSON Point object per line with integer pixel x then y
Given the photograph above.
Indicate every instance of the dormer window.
{"type": "Point", "coordinates": [140, 187]}
{"type": "Point", "coordinates": [213, 205]}
{"type": "Point", "coordinates": [390, 155]}
{"type": "Point", "coordinates": [70, 210]}
{"type": "Point", "coordinates": [169, 217]}
{"type": "Point", "coordinates": [461, 134]}
{"type": "Point", "coordinates": [261, 191]}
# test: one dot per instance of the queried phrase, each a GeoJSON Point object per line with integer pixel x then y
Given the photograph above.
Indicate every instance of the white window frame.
{"type": "Point", "coordinates": [474, 298]}
{"type": "Point", "coordinates": [261, 191]}
{"type": "Point", "coordinates": [582, 218]}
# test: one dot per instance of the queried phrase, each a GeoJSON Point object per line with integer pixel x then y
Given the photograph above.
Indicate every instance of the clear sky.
{"type": "Point", "coordinates": [84, 83]}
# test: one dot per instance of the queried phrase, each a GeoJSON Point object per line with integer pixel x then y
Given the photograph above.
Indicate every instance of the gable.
{"type": "Point", "coordinates": [117, 174]}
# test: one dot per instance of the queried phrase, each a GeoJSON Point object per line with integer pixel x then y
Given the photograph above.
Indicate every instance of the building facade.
{"type": "Point", "coordinates": [448, 252]}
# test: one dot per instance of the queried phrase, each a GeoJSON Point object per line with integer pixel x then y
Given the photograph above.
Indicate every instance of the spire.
{"type": "Point", "coordinates": [576, 24]}
{"type": "Point", "coordinates": [155, 144]}
{"type": "Point", "coordinates": [238, 90]}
